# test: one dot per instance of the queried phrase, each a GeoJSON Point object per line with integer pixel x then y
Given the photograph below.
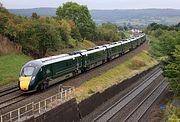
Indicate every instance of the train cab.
{"type": "Point", "coordinates": [28, 75]}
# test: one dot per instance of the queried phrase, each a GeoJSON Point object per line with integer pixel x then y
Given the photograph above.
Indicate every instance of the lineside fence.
{"type": "Point", "coordinates": [64, 94]}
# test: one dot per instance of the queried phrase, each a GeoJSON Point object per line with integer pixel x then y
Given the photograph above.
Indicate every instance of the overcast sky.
{"type": "Point", "coordinates": [95, 4]}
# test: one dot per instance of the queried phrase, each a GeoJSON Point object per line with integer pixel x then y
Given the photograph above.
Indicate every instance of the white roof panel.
{"type": "Point", "coordinates": [93, 51]}
{"type": "Point", "coordinates": [61, 59]}
{"type": "Point", "coordinates": [114, 45]}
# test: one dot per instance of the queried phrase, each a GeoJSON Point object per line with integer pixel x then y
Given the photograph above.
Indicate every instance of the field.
{"type": "Point", "coordinates": [128, 69]}
{"type": "Point", "coordinates": [10, 66]}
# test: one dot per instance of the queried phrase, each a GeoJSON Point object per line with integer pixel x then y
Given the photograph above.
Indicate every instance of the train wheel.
{"type": "Point", "coordinates": [46, 85]}
{"type": "Point", "coordinates": [41, 87]}
{"type": "Point", "coordinates": [84, 69]}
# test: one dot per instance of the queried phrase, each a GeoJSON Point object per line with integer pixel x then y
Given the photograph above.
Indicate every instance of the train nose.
{"type": "Point", "coordinates": [24, 83]}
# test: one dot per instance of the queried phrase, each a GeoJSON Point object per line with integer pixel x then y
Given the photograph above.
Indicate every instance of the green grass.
{"type": "Point", "coordinates": [10, 66]}
{"type": "Point", "coordinates": [113, 76]}
{"type": "Point", "coordinates": [74, 47]}
{"type": "Point", "coordinates": [87, 44]}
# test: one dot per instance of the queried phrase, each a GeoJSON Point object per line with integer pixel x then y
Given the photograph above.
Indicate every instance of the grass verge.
{"type": "Point", "coordinates": [10, 66]}
{"type": "Point", "coordinates": [113, 76]}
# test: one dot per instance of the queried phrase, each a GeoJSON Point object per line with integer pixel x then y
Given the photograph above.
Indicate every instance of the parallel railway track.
{"type": "Point", "coordinates": [11, 100]}
{"type": "Point", "coordinates": [9, 96]}
{"type": "Point", "coordinates": [8, 90]}
{"type": "Point", "coordinates": [110, 113]}
{"type": "Point", "coordinates": [137, 114]}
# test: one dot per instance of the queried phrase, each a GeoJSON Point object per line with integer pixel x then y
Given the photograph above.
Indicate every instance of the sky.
{"type": "Point", "coordinates": [94, 4]}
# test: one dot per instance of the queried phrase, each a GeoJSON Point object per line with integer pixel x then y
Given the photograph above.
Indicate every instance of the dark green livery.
{"type": "Point", "coordinates": [46, 71]}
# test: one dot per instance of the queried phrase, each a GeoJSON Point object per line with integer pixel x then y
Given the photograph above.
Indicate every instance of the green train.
{"type": "Point", "coordinates": [41, 73]}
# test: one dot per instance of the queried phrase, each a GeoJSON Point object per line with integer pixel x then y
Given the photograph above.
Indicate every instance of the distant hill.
{"type": "Point", "coordinates": [129, 17]}
{"type": "Point", "coordinates": [39, 11]}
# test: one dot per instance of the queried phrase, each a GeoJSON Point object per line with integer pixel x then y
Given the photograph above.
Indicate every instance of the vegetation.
{"type": "Point", "coordinates": [130, 67]}
{"type": "Point", "coordinates": [73, 43]}
{"type": "Point", "coordinates": [166, 46]}
{"type": "Point", "coordinates": [173, 113]}
{"type": "Point", "coordinates": [10, 66]}
{"type": "Point", "coordinates": [108, 32]}
{"type": "Point", "coordinates": [81, 17]}
{"type": "Point", "coordinates": [8, 47]}
{"type": "Point", "coordinates": [38, 35]}
{"type": "Point", "coordinates": [35, 36]}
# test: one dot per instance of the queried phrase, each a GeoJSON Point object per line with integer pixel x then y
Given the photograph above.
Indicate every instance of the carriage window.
{"type": "Point", "coordinates": [27, 71]}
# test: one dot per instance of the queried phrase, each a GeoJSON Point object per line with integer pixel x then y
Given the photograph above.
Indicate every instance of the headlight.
{"type": "Point", "coordinates": [33, 78]}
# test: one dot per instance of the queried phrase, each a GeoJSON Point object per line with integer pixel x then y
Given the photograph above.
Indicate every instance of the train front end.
{"type": "Point", "coordinates": [28, 77]}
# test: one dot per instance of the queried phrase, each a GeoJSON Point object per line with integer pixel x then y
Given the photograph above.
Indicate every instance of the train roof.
{"type": "Point", "coordinates": [51, 59]}
{"type": "Point", "coordinates": [114, 45]}
{"type": "Point", "coordinates": [124, 42]}
{"type": "Point", "coordinates": [93, 50]}
{"type": "Point", "coordinates": [62, 57]}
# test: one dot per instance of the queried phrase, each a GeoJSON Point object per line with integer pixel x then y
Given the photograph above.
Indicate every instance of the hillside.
{"type": "Point", "coordinates": [137, 16]}
{"type": "Point", "coordinates": [121, 17]}
{"type": "Point", "coordinates": [39, 11]}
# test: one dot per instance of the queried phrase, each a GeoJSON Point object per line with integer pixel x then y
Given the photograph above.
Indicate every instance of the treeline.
{"type": "Point", "coordinates": [155, 26]}
{"type": "Point", "coordinates": [166, 45]}
{"type": "Point", "coordinates": [38, 34]}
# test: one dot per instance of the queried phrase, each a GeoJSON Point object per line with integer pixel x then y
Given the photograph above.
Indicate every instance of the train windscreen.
{"type": "Point", "coordinates": [27, 71]}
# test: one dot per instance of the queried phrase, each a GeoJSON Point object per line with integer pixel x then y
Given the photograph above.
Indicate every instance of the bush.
{"type": "Point", "coordinates": [136, 63]}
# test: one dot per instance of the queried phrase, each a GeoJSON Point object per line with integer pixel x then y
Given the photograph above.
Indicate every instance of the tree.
{"type": "Point", "coordinates": [3, 22]}
{"type": "Point", "coordinates": [108, 32]}
{"type": "Point", "coordinates": [3, 10]}
{"type": "Point", "coordinates": [76, 34]}
{"type": "Point", "coordinates": [46, 36]}
{"type": "Point", "coordinates": [34, 15]}
{"type": "Point", "coordinates": [37, 37]}
{"type": "Point", "coordinates": [125, 28]}
{"type": "Point", "coordinates": [81, 17]}
{"type": "Point", "coordinates": [158, 32]}
{"type": "Point", "coordinates": [167, 46]}
{"type": "Point", "coordinates": [36, 34]}
{"type": "Point", "coordinates": [172, 70]}
{"type": "Point", "coordinates": [65, 31]}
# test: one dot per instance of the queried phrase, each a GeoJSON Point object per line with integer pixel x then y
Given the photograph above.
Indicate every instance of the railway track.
{"type": "Point", "coordinates": [9, 96]}
{"type": "Point", "coordinates": [137, 114]}
{"type": "Point", "coordinates": [11, 100]}
{"type": "Point", "coordinates": [112, 111]}
{"type": "Point", "coordinates": [8, 90]}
